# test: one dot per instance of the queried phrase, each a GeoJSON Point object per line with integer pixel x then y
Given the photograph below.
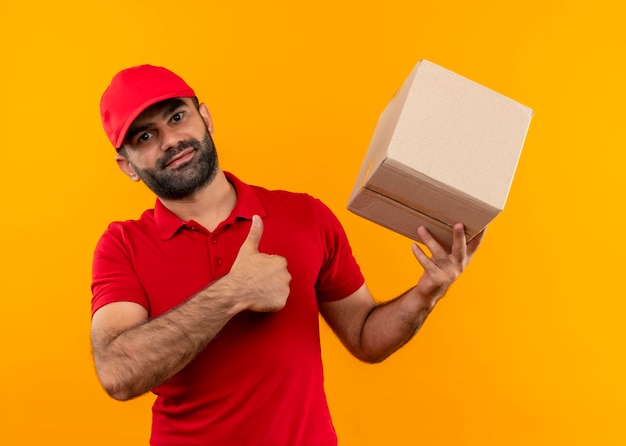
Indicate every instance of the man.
{"type": "Point", "coordinates": [211, 299]}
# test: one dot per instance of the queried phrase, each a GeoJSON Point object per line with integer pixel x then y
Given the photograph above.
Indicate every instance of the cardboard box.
{"type": "Point", "coordinates": [444, 150]}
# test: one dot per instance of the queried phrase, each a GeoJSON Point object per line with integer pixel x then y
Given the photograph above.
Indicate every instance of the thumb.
{"type": "Point", "coordinates": [251, 244]}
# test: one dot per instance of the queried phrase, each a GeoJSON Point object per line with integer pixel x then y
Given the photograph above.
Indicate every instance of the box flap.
{"type": "Point", "coordinates": [423, 194]}
{"type": "Point", "coordinates": [402, 219]}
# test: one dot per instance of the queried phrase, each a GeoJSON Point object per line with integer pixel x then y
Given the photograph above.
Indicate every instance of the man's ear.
{"type": "Point", "coordinates": [206, 116]}
{"type": "Point", "coordinates": [126, 167]}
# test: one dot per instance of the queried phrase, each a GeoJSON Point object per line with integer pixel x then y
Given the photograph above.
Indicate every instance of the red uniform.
{"type": "Point", "coordinates": [260, 381]}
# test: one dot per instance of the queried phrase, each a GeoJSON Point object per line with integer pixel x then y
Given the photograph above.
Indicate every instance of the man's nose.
{"type": "Point", "coordinates": [170, 138]}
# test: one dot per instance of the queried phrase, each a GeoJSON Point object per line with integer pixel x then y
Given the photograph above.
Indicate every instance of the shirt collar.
{"type": "Point", "coordinates": [248, 204]}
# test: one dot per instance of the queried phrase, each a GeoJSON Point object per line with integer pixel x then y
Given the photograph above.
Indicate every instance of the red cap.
{"type": "Point", "coordinates": [132, 91]}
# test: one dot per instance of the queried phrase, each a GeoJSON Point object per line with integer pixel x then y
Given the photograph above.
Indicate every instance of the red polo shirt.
{"type": "Point", "coordinates": [260, 381]}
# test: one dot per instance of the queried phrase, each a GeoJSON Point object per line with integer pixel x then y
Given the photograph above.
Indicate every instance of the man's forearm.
{"type": "Point", "coordinates": [392, 324]}
{"type": "Point", "coordinates": [144, 356]}
{"type": "Point", "coordinates": [133, 359]}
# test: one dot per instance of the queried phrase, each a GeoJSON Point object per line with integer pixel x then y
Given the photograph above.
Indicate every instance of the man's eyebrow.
{"type": "Point", "coordinates": [171, 106]}
{"type": "Point", "coordinates": [133, 131]}
{"type": "Point", "coordinates": [168, 106]}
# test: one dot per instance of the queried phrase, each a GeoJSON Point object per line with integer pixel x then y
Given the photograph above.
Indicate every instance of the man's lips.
{"type": "Point", "coordinates": [180, 158]}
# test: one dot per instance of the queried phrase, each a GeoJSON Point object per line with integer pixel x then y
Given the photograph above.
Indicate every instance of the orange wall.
{"type": "Point", "coordinates": [528, 348]}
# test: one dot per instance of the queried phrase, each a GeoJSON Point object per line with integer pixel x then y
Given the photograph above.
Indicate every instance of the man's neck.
{"type": "Point", "coordinates": [209, 206]}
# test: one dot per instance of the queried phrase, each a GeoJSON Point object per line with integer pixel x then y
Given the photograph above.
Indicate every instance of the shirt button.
{"type": "Point", "coordinates": [214, 240]}
{"type": "Point", "coordinates": [218, 262]}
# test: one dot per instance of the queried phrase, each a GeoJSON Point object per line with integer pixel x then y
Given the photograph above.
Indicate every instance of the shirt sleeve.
{"type": "Point", "coordinates": [113, 276]}
{"type": "Point", "coordinates": [340, 275]}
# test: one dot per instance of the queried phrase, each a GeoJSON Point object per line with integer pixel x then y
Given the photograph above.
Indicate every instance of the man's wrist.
{"type": "Point", "coordinates": [223, 290]}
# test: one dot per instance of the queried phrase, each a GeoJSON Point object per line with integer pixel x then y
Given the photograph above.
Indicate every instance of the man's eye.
{"type": "Point", "coordinates": [143, 137]}
{"type": "Point", "coordinates": [177, 117]}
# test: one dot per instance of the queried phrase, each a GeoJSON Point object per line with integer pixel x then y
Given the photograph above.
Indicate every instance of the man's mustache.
{"type": "Point", "coordinates": [171, 153]}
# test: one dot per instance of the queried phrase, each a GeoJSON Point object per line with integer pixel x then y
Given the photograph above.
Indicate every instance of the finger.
{"type": "Point", "coordinates": [423, 259]}
{"type": "Point", "coordinates": [251, 244]}
{"type": "Point", "coordinates": [435, 248]}
{"type": "Point", "coordinates": [459, 243]}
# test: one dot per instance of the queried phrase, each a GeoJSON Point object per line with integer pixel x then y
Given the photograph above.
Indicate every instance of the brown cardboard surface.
{"type": "Point", "coordinates": [445, 150]}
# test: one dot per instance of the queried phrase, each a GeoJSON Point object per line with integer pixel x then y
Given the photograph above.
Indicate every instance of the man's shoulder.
{"type": "Point", "coordinates": [146, 218]}
{"type": "Point", "coordinates": [297, 206]}
{"type": "Point", "coordinates": [283, 196]}
{"type": "Point", "coordinates": [123, 228]}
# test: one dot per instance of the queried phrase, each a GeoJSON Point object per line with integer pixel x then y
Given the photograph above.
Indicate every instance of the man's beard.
{"type": "Point", "coordinates": [186, 179]}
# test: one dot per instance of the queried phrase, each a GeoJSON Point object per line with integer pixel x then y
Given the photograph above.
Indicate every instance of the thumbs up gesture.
{"type": "Point", "coordinates": [261, 280]}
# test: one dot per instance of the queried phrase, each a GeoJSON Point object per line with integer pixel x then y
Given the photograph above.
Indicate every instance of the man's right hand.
{"type": "Point", "coordinates": [260, 280]}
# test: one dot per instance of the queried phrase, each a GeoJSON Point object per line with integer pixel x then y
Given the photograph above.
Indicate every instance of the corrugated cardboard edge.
{"type": "Point", "coordinates": [398, 218]}
{"type": "Point", "coordinates": [426, 195]}
{"type": "Point", "coordinates": [370, 204]}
